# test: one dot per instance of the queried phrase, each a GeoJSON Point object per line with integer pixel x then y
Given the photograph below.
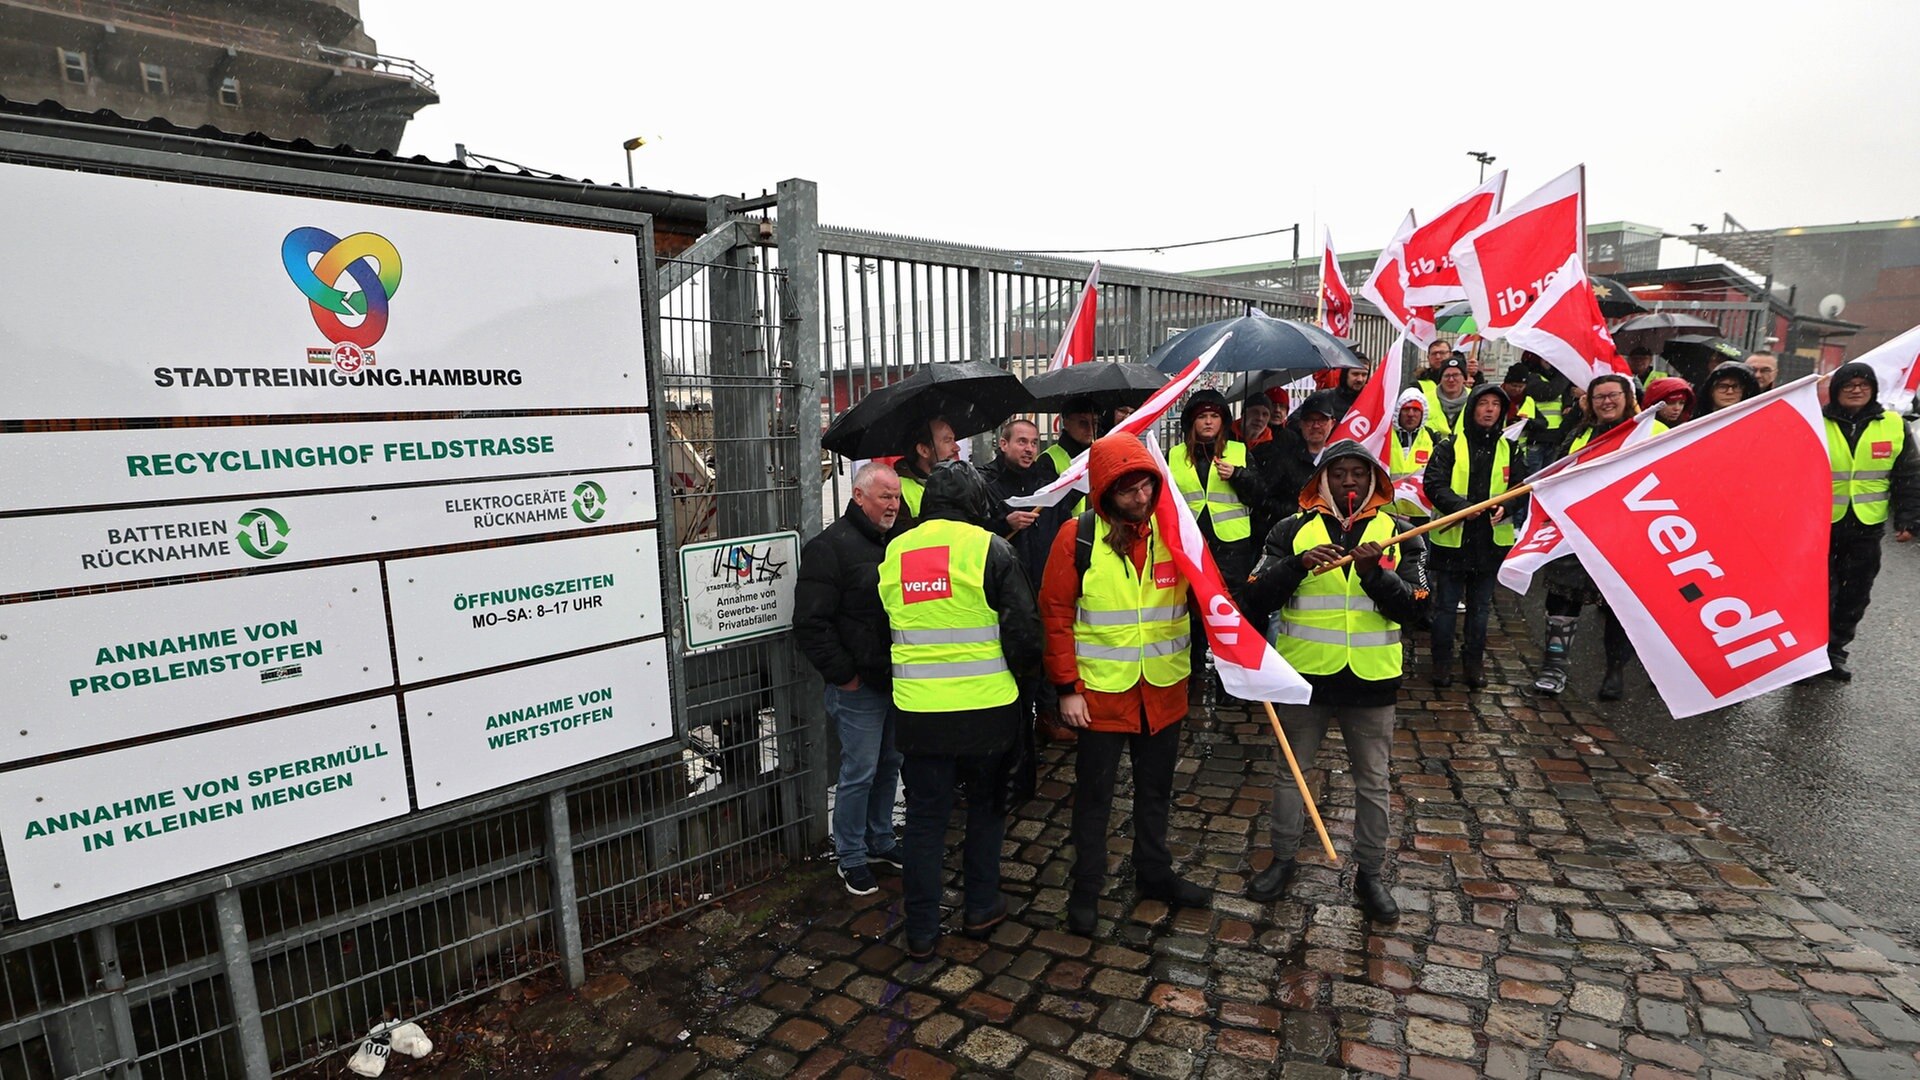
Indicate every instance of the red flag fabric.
{"type": "Point", "coordinates": [1074, 476]}
{"type": "Point", "coordinates": [1431, 277]}
{"type": "Point", "coordinates": [1076, 344]}
{"type": "Point", "coordinates": [1336, 301]}
{"type": "Point", "coordinates": [1249, 667]}
{"type": "Point", "coordinates": [1506, 264]}
{"type": "Point", "coordinates": [1386, 287]}
{"type": "Point", "coordinates": [1564, 326]}
{"type": "Point", "coordinates": [1367, 421]}
{"type": "Point", "coordinates": [1540, 540]}
{"type": "Point", "coordinates": [1666, 531]}
{"type": "Point", "coordinates": [1896, 366]}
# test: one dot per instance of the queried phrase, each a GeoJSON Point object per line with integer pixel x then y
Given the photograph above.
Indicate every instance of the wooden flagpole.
{"type": "Point", "coordinates": [1300, 779]}
{"type": "Point", "coordinates": [1436, 523]}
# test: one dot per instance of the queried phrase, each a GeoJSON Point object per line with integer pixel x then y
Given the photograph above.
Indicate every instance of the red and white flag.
{"type": "Point", "coordinates": [1336, 301]}
{"type": "Point", "coordinates": [1565, 328]}
{"type": "Point", "coordinates": [1506, 264]}
{"type": "Point", "coordinates": [1249, 667]}
{"type": "Point", "coordinates": [1539, 542]}
{"type": "Point", "coordinates": [1367, 421]}
{"type": "Point", "coordinates": [1076, 344]}
{"type": "Point", "coordinates": [1074, 476]}
{"type": "Point", "coordinates": [1896, 367]}
{"type": "Point", "coordinates": [1666, 531]}
{"type": "Point", "coordinates": [1386, 287]}
{"type": "Point", "coordinates": [1431, 278]}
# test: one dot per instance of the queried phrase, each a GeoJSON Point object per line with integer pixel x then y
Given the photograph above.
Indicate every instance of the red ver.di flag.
{"type": "Point", "coordinates": [1431, 277]}
{"type": "Point", "coordinates": [1507, 263]}
{"type": "Point", "coordinates": [1666, 530]}
{"type": "Point", "coordinates": [1336, 302]}
{"type": "Point", "coordinates": [1386, 287]}
{"type": "Point", "coordinates": [1366, 421]}
{"type": "Point", "coordinates": [1076, 344]}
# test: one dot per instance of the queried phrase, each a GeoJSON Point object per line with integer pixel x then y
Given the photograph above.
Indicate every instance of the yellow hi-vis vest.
{"type": "Point", "coordinates": [1579, 444]}
{"type": "Point", "coordinates": [911, 490]}
{"type": "Point", "coordinates": [1453, 535]}
{"type": "Point", "coordinates": [1553, 412]}
{"type": "Point", "coordinates": [1403, 462]}
{"type": "Point", "coordinates": [1330, 623]}
{"type": "Point", "coordinates": [946, 638]}
{"type": "Point", "coordinates": [1863, 475]}
{"type": "Point", "coordinates": [1214, 497]}
{"type": "Point", "coordinates": [1061, 459]}
{"type": "Point", "coordinates": [1437, 417]}
{"type": "Point", "coordinates": [1130, 625]}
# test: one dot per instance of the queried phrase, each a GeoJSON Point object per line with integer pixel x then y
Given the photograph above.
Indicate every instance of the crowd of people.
{"type": "Point", "coordinates": [948, 623]}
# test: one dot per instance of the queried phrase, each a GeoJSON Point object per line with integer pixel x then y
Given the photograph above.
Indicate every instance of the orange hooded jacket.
{"type": "Point", "coordinates": [1111, 458]}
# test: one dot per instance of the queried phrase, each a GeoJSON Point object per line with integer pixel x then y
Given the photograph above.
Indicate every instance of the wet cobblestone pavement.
{"type": "Point", "coordinates": [1568, 912]}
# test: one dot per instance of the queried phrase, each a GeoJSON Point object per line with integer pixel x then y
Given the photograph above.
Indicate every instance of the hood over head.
{"type": "Point", "coordinates": [956, 491]}
{"type": "Point", "coordinates": [1314, 495]}
{"type": "Point", "coordinates": [1200, 401]}
{"type": "Point", "coordinates": [1847, 372]}
{"type": "Point", "coordinates": [1410, 396]}
{"type": "Point", "coordinates": [1495, 389]}
{"type": "Point", "coordinates": [1734, 369]}
{"type": "Point", "coordinates": [1115, 455]}
{"type": "Point", "coordinates": [1659, 390]}
{"type": "Point", "coordinates": [1324, 402]}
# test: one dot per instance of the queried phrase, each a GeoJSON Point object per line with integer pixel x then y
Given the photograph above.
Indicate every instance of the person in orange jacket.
{"type": "Point", "coordinates": [1118, 649]}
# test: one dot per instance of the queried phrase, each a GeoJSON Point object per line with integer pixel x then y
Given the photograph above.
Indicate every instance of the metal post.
{"type": "Point", "coordinates": [114, 982]}
{"type": "Point", "coordinates": [804, 715]}
{"type": "Point", "coordinates": [237, 952]}
{"type": "Point", "coordinates": [1139, 340]}
{"type": "Point", "coordinates": [979, 315]}
{"type": "Point", "coordinates": [566, 903]}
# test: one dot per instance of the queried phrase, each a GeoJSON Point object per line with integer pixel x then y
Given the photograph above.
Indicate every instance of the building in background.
{"type": "Point", "coordinates": [291, 69]}
{"type": "Point", "coordinates": [1867, 273]}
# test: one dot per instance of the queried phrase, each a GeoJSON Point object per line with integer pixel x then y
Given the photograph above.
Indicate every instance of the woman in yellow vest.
{"type": "Point", "coordinates": [1876, 477]}
{"type": "Point", "coordinates": [964, 631]}
{"type": "Point", "coordinates": [1218, 482]}
{"type": "Point", "coordinates": [1409, 446]}
{"type": "Point", "coordinates": [1469, 468]}
{"type": "Point", "coordinates": [1340, 629]}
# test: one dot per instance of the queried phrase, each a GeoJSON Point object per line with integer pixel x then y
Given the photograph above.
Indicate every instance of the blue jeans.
{"type": "Point", "coordinates": [1448, 589]}
{"type": "Point", "coordinates": [869, 774]}
{"type": "Point", "coordinates": [932, 783]}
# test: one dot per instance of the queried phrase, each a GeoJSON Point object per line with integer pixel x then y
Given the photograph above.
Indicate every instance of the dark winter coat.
{"type": "Point", "coordinates": [837, 617]}
{"type": "Point", "coordinates": [1005, 480]}
{"type": "Point", "coordinates": [1398, 593]}
{"type": "Point", "coordinates": [1477, 553]}
{"type": "Point", "coordinates": [957, 492]}
{"type": "Point", "coordinates": [1905, 478]}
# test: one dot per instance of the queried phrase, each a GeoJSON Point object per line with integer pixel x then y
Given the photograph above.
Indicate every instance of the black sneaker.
{"type": "Point", "coordinates": [888, 860]}
{"type": "Point", "coordinates": [859, 880]}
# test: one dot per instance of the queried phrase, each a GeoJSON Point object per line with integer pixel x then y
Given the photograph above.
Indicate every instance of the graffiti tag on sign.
{"type": "Point", "coordinates": [738, 588]}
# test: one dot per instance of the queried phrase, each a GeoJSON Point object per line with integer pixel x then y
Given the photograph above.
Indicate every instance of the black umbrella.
{"type": "Point", "coordinates": [1106, 383]}
{"type": "Point", "coordinates": [1703, 348]}
{"type": "Point", "coordinates": [1664, 320]}
{"type": "Point", "coordinates": [970, 395]}
{"type": "Point", "coordinates": [1615, 299]}
{"type": "Point", "coordinates": [1259, 343]}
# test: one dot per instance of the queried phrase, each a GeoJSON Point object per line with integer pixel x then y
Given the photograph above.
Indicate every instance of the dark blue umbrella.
{"type": "Point", "coordinates": [1259, 343]}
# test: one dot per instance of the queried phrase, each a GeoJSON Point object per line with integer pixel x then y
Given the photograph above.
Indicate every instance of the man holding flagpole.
{"type": "Point", "coordinates": [1118, 650]}
{"type": "Point", "coordinates": [1340, 629]}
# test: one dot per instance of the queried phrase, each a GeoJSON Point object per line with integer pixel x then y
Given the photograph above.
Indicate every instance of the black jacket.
{"type": "Point", "coordinates": [1398, 593]}
{"type": "Point", "coordinates": [1477, 553]}
{"type": "Point", "coordinates": [837, 617]}
{"type": "Point", "coordinates": [1005, 480]}
{"type": "Point", "coordinates": [957, 492]}
{"type": "Point", "coordinates": [1272, 461]}
{"type": "Point", "coordinates": [1905, 478]}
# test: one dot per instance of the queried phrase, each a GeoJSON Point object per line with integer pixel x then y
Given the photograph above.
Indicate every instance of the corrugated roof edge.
{"type": "Point", "coordinates": [104, 125]}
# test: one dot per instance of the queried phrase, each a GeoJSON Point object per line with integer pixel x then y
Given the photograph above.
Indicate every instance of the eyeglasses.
{"type": "Point", "coordinates": [1142, 486]}
{"type": "Point", "coordinates": [1615, 396]}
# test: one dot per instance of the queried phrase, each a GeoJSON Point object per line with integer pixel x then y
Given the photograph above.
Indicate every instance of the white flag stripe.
{"type": "Point", "coordinates": [1893, 365]}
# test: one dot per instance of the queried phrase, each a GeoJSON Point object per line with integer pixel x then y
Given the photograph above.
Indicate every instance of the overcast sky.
{"type": "Point", "coordinates": [1043, 125]}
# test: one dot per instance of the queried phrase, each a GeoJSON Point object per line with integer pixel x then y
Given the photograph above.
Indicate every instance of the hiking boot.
{"type": "Point", "coordinates": [1476, 673]}
{"type": "Point", "coordinates": [1375, 901]}
{"type": "Point", "coordinates": [979, 926]}
{"type": "Point", "coordinates": [1271, 884]}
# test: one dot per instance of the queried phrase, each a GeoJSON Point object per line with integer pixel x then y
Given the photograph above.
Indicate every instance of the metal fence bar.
{"type": "Point", "coordinates": [566, 907]}
{"type": "Point", "coordinates": [235, 950]}
{"type": "Point", "coordinates": [113, 983]}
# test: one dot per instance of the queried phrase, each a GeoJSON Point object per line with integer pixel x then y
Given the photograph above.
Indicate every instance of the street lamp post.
{"type": "Point", "coordinates": [631, 145]}
{"type": "Point", "coordinates": [1485, 159]}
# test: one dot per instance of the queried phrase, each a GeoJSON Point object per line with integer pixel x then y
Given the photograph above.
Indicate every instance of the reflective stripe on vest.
{"type": "Point", "coordinates": [1232, 519]}
{"type": "Point", "coordinates": [1405, 461]}
{"type": "Point", "coordinates": [1863, 473]}
{"type": "Point", "coordinates": [1130, 625]}
{"type": "Point", "coordinates": [1550, 411]}
{"type": "Point", "coordinates": [1330, 623]}
{"type": "Point", "coordinates": [1580, 442]}
{"type": "Point", "coordinates": [1453, 535]}
{"type": "Point", "coordinates": [911, 489]}
{"type": "Point", "coordinates": [946, 637]}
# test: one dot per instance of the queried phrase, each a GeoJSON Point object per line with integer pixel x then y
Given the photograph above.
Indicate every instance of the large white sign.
{"type": "Point", "coordinates": [129, 297]}
{"type": "Point", "coordinates": [85, 670]}
{"type": "Point", "coordinates": [478, 734]}
{"type": "Point", "coordinates": [66, 550]}
{"type": "Point", "coordinates": [738, 589]}
{"type": "Point", "coordinates": [480, 609]}
{"type": "Point", "coordinates": [103, 468]}
{"type": "Point", "coordinates": [86, 828]}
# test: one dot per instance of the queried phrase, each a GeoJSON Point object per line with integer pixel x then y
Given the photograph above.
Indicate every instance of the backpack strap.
{"type": "Point", "coordinates": [1083, 544]}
